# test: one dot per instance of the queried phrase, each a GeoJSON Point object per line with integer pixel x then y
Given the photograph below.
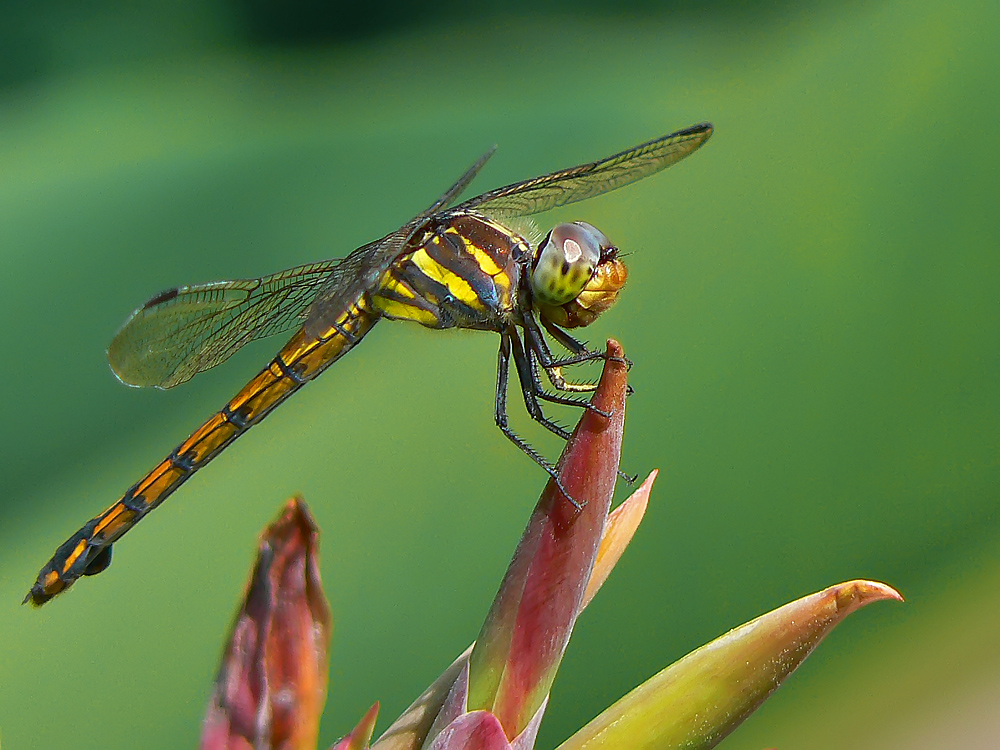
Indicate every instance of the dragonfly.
{"type": "Point", "coordinates": [480, 264]}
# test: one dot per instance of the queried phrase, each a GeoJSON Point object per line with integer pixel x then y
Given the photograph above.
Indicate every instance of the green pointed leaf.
{"type": "Point", "coordinates": [694, 703]}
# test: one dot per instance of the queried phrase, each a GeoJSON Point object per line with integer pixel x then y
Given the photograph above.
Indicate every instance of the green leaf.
{"type": "Point", "coordinates": [697, 701]}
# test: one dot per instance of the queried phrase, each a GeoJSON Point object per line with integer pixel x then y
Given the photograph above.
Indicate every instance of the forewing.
{"type": "Point", "coordinates": [588, 180]}
{"type": "Point", "coordinates": [452, 194]}
{"type": "Point", "coordinates": [360, 271]}
{"type": "Point", "coordinates": [187, 330]}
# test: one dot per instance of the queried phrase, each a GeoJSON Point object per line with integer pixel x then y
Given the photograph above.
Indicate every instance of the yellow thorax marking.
{"type": "Point", "coordinates": [403, 311]}
{"type": "Point", "coordinates": [482, 258]}
{"type": "Point", "coordinates": [403, 290]}
{"type": "Point", "coordinates": [452, 281]}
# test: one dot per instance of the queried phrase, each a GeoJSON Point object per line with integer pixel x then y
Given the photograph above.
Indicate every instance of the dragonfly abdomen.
{"type": "Point", "coordinates": [303, 358]}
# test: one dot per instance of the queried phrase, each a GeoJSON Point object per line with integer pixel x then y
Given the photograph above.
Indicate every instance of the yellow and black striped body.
{"type": "Point", "coordinates": [445, 268]}
{"type": "Point", "coordinates": [463, 274]}
{"type": "Point", "coordinates": [303, 358]}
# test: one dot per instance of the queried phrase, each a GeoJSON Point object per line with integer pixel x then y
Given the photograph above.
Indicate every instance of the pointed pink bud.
{"type": "Point", "coordinates": [361, 735]}
{"type": "Point", "coordinates": [272, 681]}
{"type": "Point", "coordinates": [478, 730]}
{"type": "Point", "coordinates": [525, 634]}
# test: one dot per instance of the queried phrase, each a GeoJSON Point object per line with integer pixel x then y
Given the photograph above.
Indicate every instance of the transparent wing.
{"type": "Point", "coordinates": [356, 274]}
{"type": "Point", "coordinates": [460, 185]}
{"type": "Point", "coordinates": [361, 270]}
{"type": "Point", "coordinates": [189, 329]}
{"type": "Point", "coordinates": [588, 180]}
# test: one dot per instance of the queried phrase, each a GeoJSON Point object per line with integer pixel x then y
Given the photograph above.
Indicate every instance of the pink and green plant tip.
{"type": "Point", "coordinates": [270, 688]}
{"type": "Point", "coordinates": [271, 685]}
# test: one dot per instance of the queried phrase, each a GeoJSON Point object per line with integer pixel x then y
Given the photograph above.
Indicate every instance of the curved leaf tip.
{"type": "Point", "coordinates": [697, 701]}
{"type": "Point", "coordinates": [853, 595]}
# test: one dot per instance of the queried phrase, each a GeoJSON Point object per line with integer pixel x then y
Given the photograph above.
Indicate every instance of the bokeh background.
{"type": "Point", "coordinates": [813, 310]}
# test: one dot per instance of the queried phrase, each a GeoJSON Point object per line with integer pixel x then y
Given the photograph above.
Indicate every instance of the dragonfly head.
{"type": "Point", "coordinates": [576, 275]}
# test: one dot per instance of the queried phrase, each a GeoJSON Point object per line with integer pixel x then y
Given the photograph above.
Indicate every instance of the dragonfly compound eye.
{"type": "Point", "coordinates": [573, 305]}
{"type": "Point", "coordinates": [566, 261]}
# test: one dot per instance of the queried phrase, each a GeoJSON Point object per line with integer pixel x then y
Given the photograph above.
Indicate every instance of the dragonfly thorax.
{"type": "Point", "coordinates": [462, 273]}
{"type": "Point", "coordinates": [576, 275]}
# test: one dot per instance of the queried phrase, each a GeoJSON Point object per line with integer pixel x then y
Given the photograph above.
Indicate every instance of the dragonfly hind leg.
{"type": "Point", "coordinates": [507, 341]}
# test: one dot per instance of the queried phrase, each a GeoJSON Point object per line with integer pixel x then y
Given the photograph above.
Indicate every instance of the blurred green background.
{"type": "Point", "coordinates": [813, 310]}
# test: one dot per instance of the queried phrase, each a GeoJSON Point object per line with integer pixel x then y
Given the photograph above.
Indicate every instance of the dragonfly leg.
{"type": "Point", "coordinates": [540, 348]}
{"type": "Point", "coordinates": [580, 353]}
{"type": "Point", "coordinates": [503, 368]}
{"type": "Point", "coordinates": [570, 343]}
{"type": "Point", "coordinates": [580, 350]}
{"type": "Point", "coordinates": [553, 365]}
{"type": "Point", "coordinates": [578, 347]}
{"type": "Point", "coordinates": [527, 372]}
{"type": "Point", "coordinates": [587, 356]}
{"type": "Point", "coordinates": [539, 389]}
{"type": "Point", "coordinates": [531, 390]}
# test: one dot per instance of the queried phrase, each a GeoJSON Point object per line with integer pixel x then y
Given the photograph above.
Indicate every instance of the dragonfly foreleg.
{"type": "Point", "coordinates": [539, 389]}
{"type": "Point", "coordinates": [578, 347]}
{"type": "Point", "coordinates": [500, 413]}
{"type": "Point", "coordinates": [535, 341]}
{"type": "Point", "coordinates": [570, 343]}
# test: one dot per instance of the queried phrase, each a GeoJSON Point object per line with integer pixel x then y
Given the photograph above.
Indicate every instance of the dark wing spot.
{"type": "Point", "coordinates": [162, 297]}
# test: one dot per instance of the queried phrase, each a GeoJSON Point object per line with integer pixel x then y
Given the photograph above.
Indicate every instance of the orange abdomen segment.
{"type": "Point", "coordinates": [303, 358]}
